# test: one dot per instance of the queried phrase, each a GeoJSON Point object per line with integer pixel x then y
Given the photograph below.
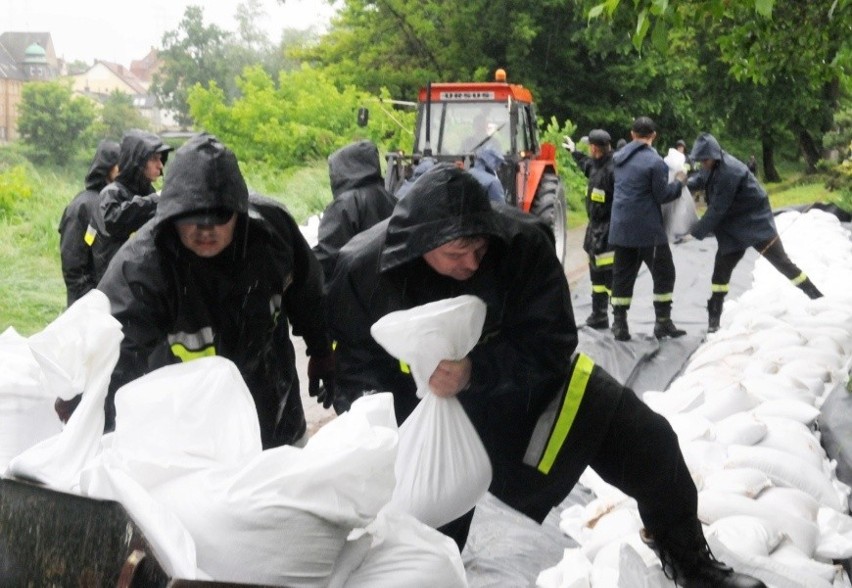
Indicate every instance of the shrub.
{"type": "Point", "coordinates": [14, 187]}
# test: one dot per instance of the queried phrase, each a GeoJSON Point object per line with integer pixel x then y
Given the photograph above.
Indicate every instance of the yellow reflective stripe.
{"type": "Point", "coordinates": [615, 301]}
{"type": "Point", "coordinates": [719, 287]}
{"type": "Point", "coordinates": [403, 367]}
{"type": "Point", "coordinates": [663, 297]}
{"type": "Point", "coordinates": [90, 235]}
{"type": "Point", "coordinates": [570, 406]}
{"type": "Point", "coordinates": [600, 289]}
{"type": "Point", "coordinates": [597, 195]}
{"type": "Point", "coordinates": [799, 279]}
{"type": "Point", "coordinates": [184, 354]}
{"type": "Point", "coordinates": [606, 258]}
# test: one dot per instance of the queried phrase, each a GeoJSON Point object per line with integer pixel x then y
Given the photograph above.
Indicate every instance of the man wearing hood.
{"type": "Point", "coordinates": [599, 169]}
{"type": "Point", "coordinates": [359, 200]}
{"type": "Point", "coordinates": [486, 162]}
{"type": "Point", "coordinates": [739, 215]}
{"type": "Point", "coordinates": [76, 230]}
{"type": "Point", "coordinates": [221, 272]}
{"type": "Point", "coordinates": [424, 165]}
{"type": "Point", "coordinates": [636, 230]}
{"type": "Point", "coordinates": [130, 201]}
{"type": "Point", "coordinates": [520, 386]}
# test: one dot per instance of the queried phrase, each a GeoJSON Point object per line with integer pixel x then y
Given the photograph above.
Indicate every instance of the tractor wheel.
{"type": "Point", "coordinates": [549, 204]}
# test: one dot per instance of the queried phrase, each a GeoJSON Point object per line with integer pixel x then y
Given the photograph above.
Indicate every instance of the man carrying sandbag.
{"type": "Point", "coordinates": [220, 272]}
{"type": "Point", "coordinates": [542, 415]}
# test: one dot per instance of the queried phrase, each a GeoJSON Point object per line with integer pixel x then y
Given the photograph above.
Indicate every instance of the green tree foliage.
{"type": "Point", "coordinates": [192, 54]}
{"type": "Point", "coordinates": [52, 122]}
{"type": "Point", "coordinates": [302, 117]}
{"type": "Point", "coordinates": [14, 187]}
{"type": "Point", "coordinates": [117, 115]}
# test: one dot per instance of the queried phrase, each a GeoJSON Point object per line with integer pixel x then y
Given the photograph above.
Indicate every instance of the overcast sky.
{"type": "Point", "coordinates": [121, 30]}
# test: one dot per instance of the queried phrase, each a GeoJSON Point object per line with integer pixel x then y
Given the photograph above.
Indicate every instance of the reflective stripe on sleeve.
{"type": "Point", "coordinates": [799, 279]}
{"type": "Point", "coordinates": [189, 346]}
{"type": "Point", "coordinates": [555, 423]}
{"type": "Point", "coordinates": [90, 235]}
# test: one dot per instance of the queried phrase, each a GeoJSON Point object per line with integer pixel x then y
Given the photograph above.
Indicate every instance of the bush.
{"type": "Point", "coordinates": [839, 181]}
{"type": "Point", "coordinates": [14, 187]}
{"type": "Point", "coordinates": [573, 179]}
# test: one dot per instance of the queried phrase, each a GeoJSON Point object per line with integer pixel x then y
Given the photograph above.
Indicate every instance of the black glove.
{"type": "Point", "coordinates": [321, 378]}
{"type": "Point", "coordinates": [65, 408]}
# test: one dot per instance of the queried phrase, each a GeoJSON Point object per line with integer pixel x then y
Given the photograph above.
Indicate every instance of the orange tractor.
{"type": "Point", "coordinates": [456, 119]}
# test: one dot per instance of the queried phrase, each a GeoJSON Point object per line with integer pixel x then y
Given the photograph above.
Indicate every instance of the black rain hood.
{"type": "Point", "coordinates": [706, 147]}
{"type": "Point", "coordinates": [445, 204]}
{"type": "Point", "coordinates": [203, 175]}
{"type": "Point", "coordinates": [136, 148]}
{"type": "Point", "coordinates": [106, 157]}
{"type": "Point", "coordinates": [354, 166]}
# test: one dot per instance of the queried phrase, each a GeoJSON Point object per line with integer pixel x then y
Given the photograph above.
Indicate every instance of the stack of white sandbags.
{"type": "Point", "coordinates": [186, 462]}
{"type": "Point", "coordinates": [745, 411]}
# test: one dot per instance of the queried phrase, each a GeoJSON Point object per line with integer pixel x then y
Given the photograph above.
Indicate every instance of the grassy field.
{"type": "Point", "coordinates": [32, 292]}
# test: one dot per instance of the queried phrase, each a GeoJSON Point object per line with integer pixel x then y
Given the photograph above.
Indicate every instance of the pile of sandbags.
{"type": "Point", "coordinates": [745, 411]}
{"type": "Point", "coordinates": [185, 460]}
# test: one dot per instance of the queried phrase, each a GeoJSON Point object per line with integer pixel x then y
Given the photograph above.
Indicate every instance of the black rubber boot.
{"type": "Point", "coordinates": [688, 561]}
{"type": "Point", "coordinates": [663, 326]}
{"type": "Point", "coordinates": [809, 289]}
{"type": "Point", "coordinates": [714, 312]}
{"type": "Point", "coordinates": [619, 324]}
{"type": "Point", "coordinates": [599, 319]}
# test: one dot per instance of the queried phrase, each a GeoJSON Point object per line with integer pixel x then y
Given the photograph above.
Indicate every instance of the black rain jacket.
{"type": "Point", "coordinates": [738, 210]}
{"type": "Point", "coordinates": [240, 304]}
{"type": "Point", "coordinates": [599, 194]}
{"type": "Point", "coordinates": [77, 233]}
{"type": "Point", "coordinates": [523, 355]}
{"type": "Point", "coordinates": [360, 200]}
{"type": "Point", "coordinates": [130, 201]}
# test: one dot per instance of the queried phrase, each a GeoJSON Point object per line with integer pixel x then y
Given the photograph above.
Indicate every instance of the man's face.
{"type": "Point", "coordinates": [154, 167]}
{"type": "Point", "coordinates": [708, 164]}
{"type": "Point", "coordinates": [458, 259]}
{"type": "Point", "coordinates": [207, 240]}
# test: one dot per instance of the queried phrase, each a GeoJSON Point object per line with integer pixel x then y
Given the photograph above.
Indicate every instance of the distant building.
{"type": "Point", "coordinates": [24, 57]}
{"type": "Point", "coordinates": [145, 68]}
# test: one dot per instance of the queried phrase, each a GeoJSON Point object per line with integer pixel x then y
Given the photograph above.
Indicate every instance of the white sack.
{"type": "Point", "coordinates": [746, 534]}
{"type": "Point", "coordinates": [26, 406]}
{"type": "Point", "coordinates": [573, 571]}
{"type": "Point", "coordinates": [405, 552]}
{"type": "Point", "coordinates": [679, 215]}
{"type": "Point", "coordinates": [442, 469]}
{"type": "Point", "coordinates": [749, 482]}
{"type": "Point", "coordinates": [77, 353]}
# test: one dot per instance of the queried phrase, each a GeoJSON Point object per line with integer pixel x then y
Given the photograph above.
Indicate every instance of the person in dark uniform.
{"type": "Point", "coordinates": [359, 199]}
{"type": "Point", "coordinates": [739, 215]}
{"type": "Point", "coordinates": [221, 272]}
{"type": "Point", "coordinates": [76, 231]}
{"type": "Point", "coordinates": [599, 169]}
{"type": "Point", "coordinates": [130, 201]}
{"type": "Point", "coordinates": [636, 230]}
{"type": "Point", "coordinates": [542, 412]}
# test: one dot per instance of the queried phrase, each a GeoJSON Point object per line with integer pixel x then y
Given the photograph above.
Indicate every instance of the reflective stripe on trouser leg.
{"type": "Point", "coordinates": [555, 422]}
{"type": "Point", "coordinates": [625, 301]}
{"type": "Point", "coordinates": [600, 289]}
{"type": "Point", "coordinates": [667, 297]}
{"type": "Point", "coordinates": [799, 279]}
{"type": "Point", "coordinates": [719, 288]}
{"type": "Point", "coordinates": [189, 346]}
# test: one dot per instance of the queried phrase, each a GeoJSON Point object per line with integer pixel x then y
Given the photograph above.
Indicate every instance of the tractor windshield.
{"type": "Point", "coordinates": [459, 128]}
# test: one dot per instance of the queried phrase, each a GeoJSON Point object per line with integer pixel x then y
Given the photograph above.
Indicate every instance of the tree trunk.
{"type": "Point", "coordinates": [770, 174]}
{"type": "Point", "coordinates": [810, 151]}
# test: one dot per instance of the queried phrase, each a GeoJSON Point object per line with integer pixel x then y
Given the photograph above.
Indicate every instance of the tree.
{"type": "Point", "coordinates": [118, 114]}
{"type": "Point", "coordinates": [52, 122]}
{"type": "Point", "coordinates": [193, 54]}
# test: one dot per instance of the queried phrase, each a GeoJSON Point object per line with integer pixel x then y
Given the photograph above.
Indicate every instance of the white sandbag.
{"type": "Point", "coordinates": [778, 387]}
{"type": "Point", "coordinates": [26, 407]}
{"type": "Point", "coordinates": [713, 506]}
{"type": "Point", "coordinates": [792, 557]}
{"type": "Point", "coordinates": [789, 409]}
{"type": "Point", "coordinates": [749, 482]}
{"type": "Point", "coordinates": [612, 528]}
{"type": "Point", "coordinates": [703, 457]}
{"type": "Point", "coordinates": [442, 468]}
{"type": "Point", "coordinates": [788, 470]}
{"type": "Point", "coordinates": [679, 215]}
{"type": "Point", "coordinates": [741, 428]}
{"type": "Point", "coordinates": [636, 571]}
{"type": "Point", "coordinates": [727, 402]}
{"type": "Point", "coordinates": [689, 426]}
{"type": "Point", "coordinates": [573, 571]}
{"type": "Point", "coordinates": [77, 353]}
{"type": "Point", "coordinates": [712, 353]}
{"type": "Point", "coordinates": [792, 501]}
{"type": "Point", "coordinates": [805, 446]}
{"type": "Point", "coordinates": [674, 401]}
{"type": "Point", "coordinates": [835, 535]}
{"type": "Point", "coordinates": [746, 534]}
{"type": "Point", "coordinates": [405, 552]}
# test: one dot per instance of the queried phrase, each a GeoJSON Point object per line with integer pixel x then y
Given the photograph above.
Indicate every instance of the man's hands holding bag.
{"type": "Point", "coordinates": [321, 378]}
